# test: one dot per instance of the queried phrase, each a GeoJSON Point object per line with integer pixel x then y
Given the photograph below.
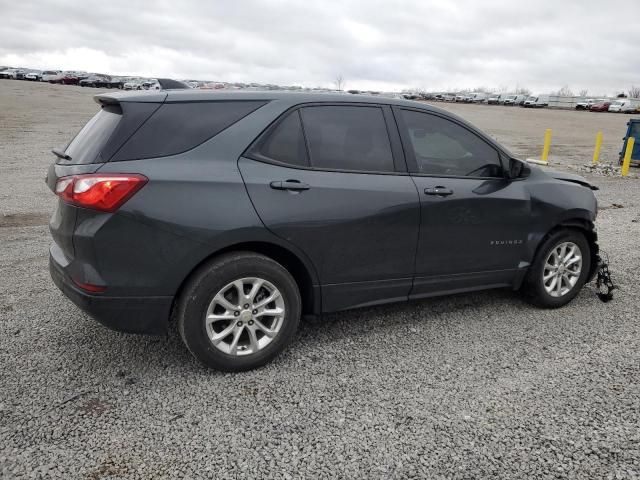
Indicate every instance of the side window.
{"type": "Point", "coordinates": [347, 138]}
{"type": "Point", "coordinates": [443, 147]}
{"type": "Point", "coordinates": [177, 127]}
{"type": "Point", "coordinates": [285, 143]}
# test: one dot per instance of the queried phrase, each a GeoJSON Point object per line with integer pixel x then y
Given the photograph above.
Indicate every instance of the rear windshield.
{"type": "Point", "coordinates": [89, 141]}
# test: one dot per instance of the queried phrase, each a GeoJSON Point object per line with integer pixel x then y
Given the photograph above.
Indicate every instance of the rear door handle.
{"type": "Point", "coordinates": [439, 191]}
{"type": "Point", "coordinates": [294, 185]}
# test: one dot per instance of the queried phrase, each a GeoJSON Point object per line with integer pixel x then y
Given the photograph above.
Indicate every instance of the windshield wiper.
{"type": "Point", "coordinates": [60, 154]}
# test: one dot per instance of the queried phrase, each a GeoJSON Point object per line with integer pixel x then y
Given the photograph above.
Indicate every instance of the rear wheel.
{"type": "Point", "coordinates": [559, 270]}
{"type": "Point", "coordinates": [239, 311]}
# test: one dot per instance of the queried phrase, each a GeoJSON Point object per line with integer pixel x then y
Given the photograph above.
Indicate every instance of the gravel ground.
{"type": "Point", "coordinates": [470, 386]}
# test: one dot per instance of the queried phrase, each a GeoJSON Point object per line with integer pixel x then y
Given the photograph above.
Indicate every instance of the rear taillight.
{"type": "Point", "coordinates": [104, 192]}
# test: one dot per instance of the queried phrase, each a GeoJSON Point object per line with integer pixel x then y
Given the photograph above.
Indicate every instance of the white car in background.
{"type": "Point", "coordinates": [622, 106]}
{"type": "Point", "coordinates": [478, 97]}
{"type": "Point", "coordinates": [537, 101]}
{"type": "Point", "coordinates": [33, 75]}
{"type": "Point", "coordinates": [150, 85]}
{"type": "Point", "coordinates": [12, 73]}
{"type": "Point", "coordinates": [132, 85]}
{"type": "Point", "coordinates": [51, 75]}
{"type": "Point", "coordinates": [515, 99]}
{"type": "Point", "coordinates": [586, 104]}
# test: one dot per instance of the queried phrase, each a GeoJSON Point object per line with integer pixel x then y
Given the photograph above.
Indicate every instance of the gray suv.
{"type": "Point", "coordinates": [236, 213]}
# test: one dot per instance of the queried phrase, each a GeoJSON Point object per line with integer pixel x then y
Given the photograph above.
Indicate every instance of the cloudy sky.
{"type": "Point", "coordinates": [373, 44]}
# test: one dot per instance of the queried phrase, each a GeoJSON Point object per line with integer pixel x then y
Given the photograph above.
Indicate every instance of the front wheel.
{"type": "Point", "coordinates": [559, 270]}
{"type": "Point", "coordinates": [239, 311]}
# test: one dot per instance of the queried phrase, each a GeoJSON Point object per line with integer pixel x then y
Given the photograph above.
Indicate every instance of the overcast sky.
{"type": "Point", "coordinates": [381, 45]}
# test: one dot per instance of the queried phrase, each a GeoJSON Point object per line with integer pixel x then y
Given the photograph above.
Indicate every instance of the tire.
{"type": "Point", "coordinates": [216, 278]}
{"type": "Point", "coordinates": [534, 289]}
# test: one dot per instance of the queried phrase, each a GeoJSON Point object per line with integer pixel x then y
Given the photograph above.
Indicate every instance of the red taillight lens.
{"type": "Point", "coordinates": [101, 192]}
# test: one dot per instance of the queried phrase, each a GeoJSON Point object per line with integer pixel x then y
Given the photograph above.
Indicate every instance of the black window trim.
{"type": "Point", "coordinates": [412, 164]}
{"type": "Point", "coordinates": [397, 151]}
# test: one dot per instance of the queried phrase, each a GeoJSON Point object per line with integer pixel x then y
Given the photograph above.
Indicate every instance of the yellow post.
{"type": "Point", "coordinates": [627, 156]}
{"type": "Point", "coordinates": [547, 145]}
{"type": "Point", "coordinates": [596, 152]}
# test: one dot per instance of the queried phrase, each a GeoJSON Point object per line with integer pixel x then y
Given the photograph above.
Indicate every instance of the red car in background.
{"type": "Point", "coordinates": [600, 107]}
{"type": "Point", "coordinates": [69, 78]}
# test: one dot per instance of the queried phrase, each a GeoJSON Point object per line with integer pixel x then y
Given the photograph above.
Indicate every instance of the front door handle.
{"type": "Point", "coordinates": [294, 185]}
{"type": "Point", "coordinates": [439, 191]}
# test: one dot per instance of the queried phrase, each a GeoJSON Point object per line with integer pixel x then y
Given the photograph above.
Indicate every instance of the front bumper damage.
{"type": "Point", "coordinates": [604, 282]}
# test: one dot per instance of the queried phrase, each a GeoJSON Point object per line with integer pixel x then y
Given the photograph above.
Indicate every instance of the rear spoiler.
{"type": "Point", "coordinates": [142, 96]}
{"type": "Point", "coordinates": [147, 96]}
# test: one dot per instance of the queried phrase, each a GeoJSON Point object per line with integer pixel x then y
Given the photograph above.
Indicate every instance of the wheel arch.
{"type": "Point", "coordinates": [302, 273]}
{"type": "Point", "coordinates": [584, 226]}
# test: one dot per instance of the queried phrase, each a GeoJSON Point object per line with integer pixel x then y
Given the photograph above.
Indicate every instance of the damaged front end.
{"type": "Point", "coordinates": [604, 282]}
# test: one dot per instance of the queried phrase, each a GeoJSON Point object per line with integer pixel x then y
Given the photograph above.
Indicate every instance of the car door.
{"type": "Point", "coordinates": [474, 221]}
{"type": "Point", "coordinates": [330, 180]}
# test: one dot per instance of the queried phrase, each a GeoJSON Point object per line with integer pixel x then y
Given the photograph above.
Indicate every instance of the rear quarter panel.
{"type": "Point", "coordinates": [194, 205]}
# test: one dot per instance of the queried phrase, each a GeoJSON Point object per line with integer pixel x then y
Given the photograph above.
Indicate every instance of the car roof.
{"type": "Point", "coordinates": [195, 95]}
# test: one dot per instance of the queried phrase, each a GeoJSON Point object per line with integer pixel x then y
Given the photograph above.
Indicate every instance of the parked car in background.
{"type": "Point", "coordinates": [51, 75]}
{"type": "Point", "coordinates": [7, 73]}
{"type": "Point", "coordinates": [537, 101]}
{"type": "Point", "coordinates": [515, 100]}
{"type": "Point", "coordinates": [586, 104]}
{"type": "Point", "coordinates": [208, 208]}
{"type": "Point", "coordinates": [66, 78]}
{"type": "Point", "coordinates": [624, 106]}
{"type": "Point", "coordinates": [33, 75]}
{"type": "Point", "coordinates": [151, 85]}
{"type": "Point", "coordinates": [449, 97]}
{"type": "Point", "coordinates": [116, 82]}
{"type": "Point", "coordinates": [12, 74]}
{"type": "Point", "coordinates": [132, 84]}
{"type": "Point", "coordinates": [478, 97]}
{"type": "Point", "coordinates": [496, 99]}
{"type": "Point", "coordinates": [96, 81]}
{"type": "Point", "coordinates": [619, 106]}
{"type": "Point", "coordinates": [600, 106]}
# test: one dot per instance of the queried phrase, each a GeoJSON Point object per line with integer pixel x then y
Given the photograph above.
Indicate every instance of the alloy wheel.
{"type": "Point", "coordinates": [245, 316]}
{"type": "Point", "coordinates": [562, 269]}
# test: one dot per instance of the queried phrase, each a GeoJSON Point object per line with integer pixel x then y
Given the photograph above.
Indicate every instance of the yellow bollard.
{"type": "Point", "coordinates": [547, 145]}
{"type": "Point", "coordinates": [627, 156]}
{"type": "Point", "coordinates": [596, 152]}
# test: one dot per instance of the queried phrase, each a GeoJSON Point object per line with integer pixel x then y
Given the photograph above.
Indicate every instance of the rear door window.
{"type": "Point", "coordinates": [347, 138]}
{"type": "Point", "coordinates": [89, 141]}
{"type": "Point", "coordinates": [284, 144]}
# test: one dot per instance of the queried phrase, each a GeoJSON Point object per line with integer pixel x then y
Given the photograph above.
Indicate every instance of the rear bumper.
{"type": "Point", "coordinates": [125, 314]}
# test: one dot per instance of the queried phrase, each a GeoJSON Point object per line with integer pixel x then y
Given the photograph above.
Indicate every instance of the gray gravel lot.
{"type": "Point", "coordinates": [470, 386]}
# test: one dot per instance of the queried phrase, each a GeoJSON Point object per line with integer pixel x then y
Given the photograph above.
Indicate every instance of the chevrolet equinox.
{"type": "Point", "coordinates": [236, 213]}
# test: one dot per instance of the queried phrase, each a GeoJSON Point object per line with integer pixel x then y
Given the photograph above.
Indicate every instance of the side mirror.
{"type": "Point", "coordinates": [517, 169]}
